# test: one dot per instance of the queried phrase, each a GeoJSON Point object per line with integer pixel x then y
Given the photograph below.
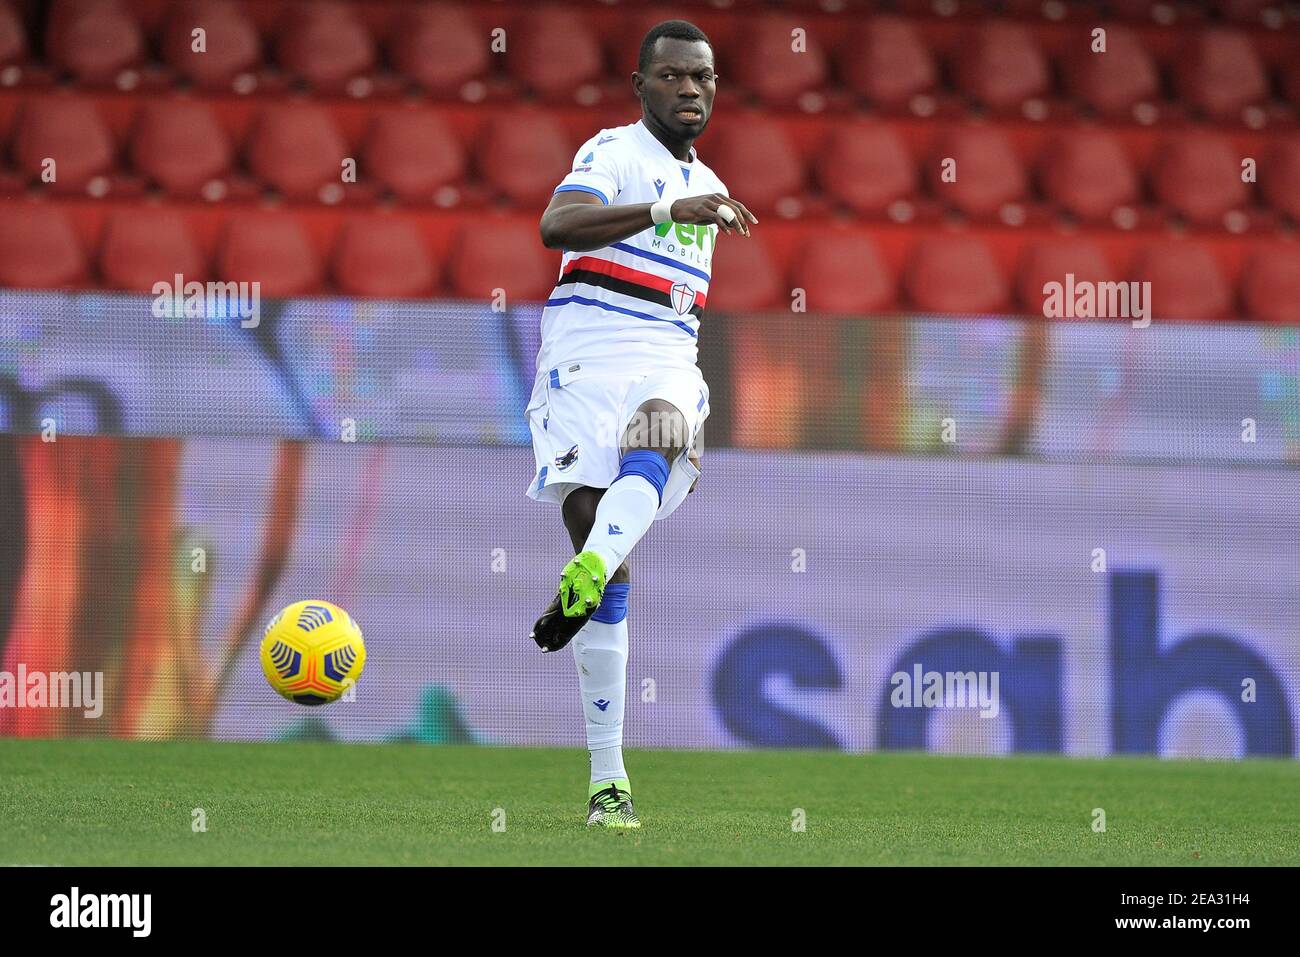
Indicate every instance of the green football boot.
{"type": "Point", "coordinates": [582, 585]}
{"type": "Point", "coordinates": [611, 805]}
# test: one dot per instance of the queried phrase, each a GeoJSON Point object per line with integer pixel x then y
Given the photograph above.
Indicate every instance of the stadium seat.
{"type": "Point", "coordinates": [67, 130]}
{"type": "Point", "coordinates": [296, 148]}
{"type": "Point", "coordinates": [533, 61]}
{"type": "Point", "coordinates": [232, 44]}
{"type": "Point", "coordinates": [1112, 83]}
{"type": "Point", "coordinates": [1050, 261]}
{"type": "Point", "coordinates": [500, 254]}
{"type": "Point", "coordinates": [988, 171]}
{"type": "Point", "coordinates": [954, 274]}
{"type": "Point", "coordinates": [866, 166]}
{"type": "Point", "coordinates": [13, 38]}
{"type": "Point", "coordinates": [842, 272]}
{"type": "Point", "coordinates": [145, 246]}
{"type": "Point", "coordinates": [887, 62]}
{"type": "Point", "coordinates": [1219, 73]}
{"type": "Point", "coordinates": [384, 257]}
{"type": "Point", "coordinates": [93, 40]}
{"type": "Point", "coordinates": [1087, 173]}
{"type": "Point", "coordinates": [1001, 66]}
{"type": "Point", "coordinates": [439, 46]}
{"type": "Point", "coordinates": [1279, 176]}
{"type": "Point", "coordinates": [1186, 281]}
{"type": "Point", "coordinates": [39, 249]}
{"type": "Point", "coordinates": [763, 61]}
{"type": "Point", "coordinates": [414, 153]}
{"type": "Point", "coordinates": [324, 43]}
{"type": "Point", "coordinates": [745, 277]}
{"type": "Point", "coordinates": [1270, 286]}
{"type": "Point", "coordinates": [1199, 177]}
{"type": "Point", "coordinates": [524, 155]}
{"type": "Point", "coordinates": [272, 249]}
{"type": "Point", "coordinates": [179, 145]}
{"type": "Point", "coordinates": [754, 150]}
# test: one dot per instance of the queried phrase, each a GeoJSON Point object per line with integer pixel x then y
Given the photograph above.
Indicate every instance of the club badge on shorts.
{"type": "Point", "coordinates": [565, 462]}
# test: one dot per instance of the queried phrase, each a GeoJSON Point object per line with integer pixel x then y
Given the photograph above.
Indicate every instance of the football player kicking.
{"type": "Point", "coordinates": [618, 403]}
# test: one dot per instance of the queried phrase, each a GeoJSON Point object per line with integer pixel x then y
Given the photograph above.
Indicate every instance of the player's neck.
{"type": "Point", "coordinates": [681, 149]}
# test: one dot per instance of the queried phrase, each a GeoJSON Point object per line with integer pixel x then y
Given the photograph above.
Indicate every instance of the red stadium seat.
{"type": "Point", "coordinates": [763, 59]}
{"type": "Point", "coordinates": [384, 257]}
{"type": "Point", "coordinates": [954, 274]}
{"type": "Point", "coordinates": [296, 149]}
{"type": "Point", "coordinates": [524, 155]}
{"type": "Point", "coordinates": [500, 254]}
{"type": "Point", "coordinates": [1219, 72]}
{"type": "Point", "coordinates": [1112, 83]}
{"type": "Point", "coordinates": [179, 145]}
{"type": "Point", "coordinates": [1270, 286]}
{"type": "Point", "coordinates": [1051, 261]}
{"type": "Point", "coordinates": [755, 150]}
{"type": "Point", "coordinates": [414, 153]}
{"type": "Point", "coordinates": [841, 271]}
{"type": "Point", "coordinates": [1199, 177]}
{"type": "Point", "coordinates": [93, 40]}
{"type": "Point", "coordinates": [13, 38]}
{"type": "Point", "coordinates": [1279, 176]}
{"type": "Point", "coordinates": [1001, 66]}
{"type": "Point", "coordinates": [888, 62]}
{"type": "Point", "coordinates": [438, 46]}
{"type": "Point", "coordinates": [232, 44]}
{"type": "Point", "coordinates": [1186, 281]}
{"type": "Point", "coordinates": [533, 61]}
{"type": "Point", "coordinates": [866, 166]}
{"type": "Point", "coordinates": [271, 249]}
{"type": "Point", "coordinates": [39, 249]}
{"type": "Point", "coordinates": [325, 43]}
{"type": "Point", "coordinates": [145, 246]}
{"type": "Point", "coordinates": [1087, 173]}
{"type": "Point", "coordinates": [988, 171]}
{"type": "Point", "coordinates": [70, 132]}
{"type": "Point", "coordinates": [745, 278]}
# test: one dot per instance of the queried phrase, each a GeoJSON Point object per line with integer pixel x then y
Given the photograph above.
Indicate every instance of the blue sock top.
{"type": "Point", "coordinates": [613, 607]}
{"type": "Point", "coordinates": [647, 463]}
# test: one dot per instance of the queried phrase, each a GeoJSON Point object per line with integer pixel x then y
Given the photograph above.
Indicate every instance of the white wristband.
{"type": "Point", "coordinates": [661, 212]}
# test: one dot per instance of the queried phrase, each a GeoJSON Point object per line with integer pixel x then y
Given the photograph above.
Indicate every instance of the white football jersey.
{"type": "Point", "coordinates": [633, 306]}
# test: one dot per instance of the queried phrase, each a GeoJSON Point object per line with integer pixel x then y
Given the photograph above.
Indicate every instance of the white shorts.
{"type": "Point", "coordinates": [578, 418]}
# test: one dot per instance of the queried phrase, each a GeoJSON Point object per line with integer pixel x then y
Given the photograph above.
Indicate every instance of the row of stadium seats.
{"type": "Point", "coordinates": [1011, 172]}
{"type": "Point", "coordinates": [839, 268]}
{"type": "Point", "coordinates": [923, 64]}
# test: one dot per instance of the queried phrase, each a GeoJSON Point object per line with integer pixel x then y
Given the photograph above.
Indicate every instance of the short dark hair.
{"type": "Point", "coordinates": [672, 30]}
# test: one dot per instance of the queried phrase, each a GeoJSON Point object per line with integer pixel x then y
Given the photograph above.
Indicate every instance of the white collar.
{"type": "Point", "coordinates": [644, 130]}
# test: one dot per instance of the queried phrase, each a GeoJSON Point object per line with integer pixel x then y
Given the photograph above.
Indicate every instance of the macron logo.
{"type": "Point", "coordinates": [602, 704]}
{"type": "Point", "coordinates": [605, 139]}
{"type": "Point", "coordinates": [614, 529]}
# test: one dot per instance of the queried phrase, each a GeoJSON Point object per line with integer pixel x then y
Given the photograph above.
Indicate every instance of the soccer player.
{"type": "Point", "coordinates": [618, 403]}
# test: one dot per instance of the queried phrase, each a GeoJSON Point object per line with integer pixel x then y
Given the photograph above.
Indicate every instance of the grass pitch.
{"type": "Point", "coordinates": [80, 802]}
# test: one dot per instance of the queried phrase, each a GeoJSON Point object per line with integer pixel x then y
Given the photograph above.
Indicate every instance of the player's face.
{"type": "Point", "coordinates": [678, 87]}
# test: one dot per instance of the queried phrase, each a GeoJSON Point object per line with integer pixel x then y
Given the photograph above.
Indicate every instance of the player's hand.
{"type": "Point", "coordinates": [706, 210]}
{"type": "Point", "coordinates": [694, 458]}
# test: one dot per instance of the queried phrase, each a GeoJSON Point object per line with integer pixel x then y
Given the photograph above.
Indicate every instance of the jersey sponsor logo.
{"type": "Point", "coordinates": [683, 298]}
{"type": "Point", "coordinates": [565, 462]}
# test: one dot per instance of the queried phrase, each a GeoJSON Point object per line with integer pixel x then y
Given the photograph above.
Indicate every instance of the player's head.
{"type": "Point", "coordinates": [675, 80]}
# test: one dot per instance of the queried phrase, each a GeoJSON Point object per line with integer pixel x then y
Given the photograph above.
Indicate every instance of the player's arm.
{"type": "Point", "coordinates": [580, 221]}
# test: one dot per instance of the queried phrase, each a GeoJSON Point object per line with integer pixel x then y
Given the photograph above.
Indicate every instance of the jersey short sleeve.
{"type": "Point", "coordinates": [597, 169]}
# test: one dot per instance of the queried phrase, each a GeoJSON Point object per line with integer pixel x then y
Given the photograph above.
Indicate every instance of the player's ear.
{"type": "Point", "coordinates": [638, 84]}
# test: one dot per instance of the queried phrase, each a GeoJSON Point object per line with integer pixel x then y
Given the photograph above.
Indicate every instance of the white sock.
{"type": "Point", "coordinates": [600, 652]}
{"type": "Point", "coordinates": [625, 513]}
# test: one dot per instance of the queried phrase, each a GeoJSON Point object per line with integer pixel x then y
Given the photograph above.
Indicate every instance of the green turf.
{"type": "Point", "coordinates": [120, 802]}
